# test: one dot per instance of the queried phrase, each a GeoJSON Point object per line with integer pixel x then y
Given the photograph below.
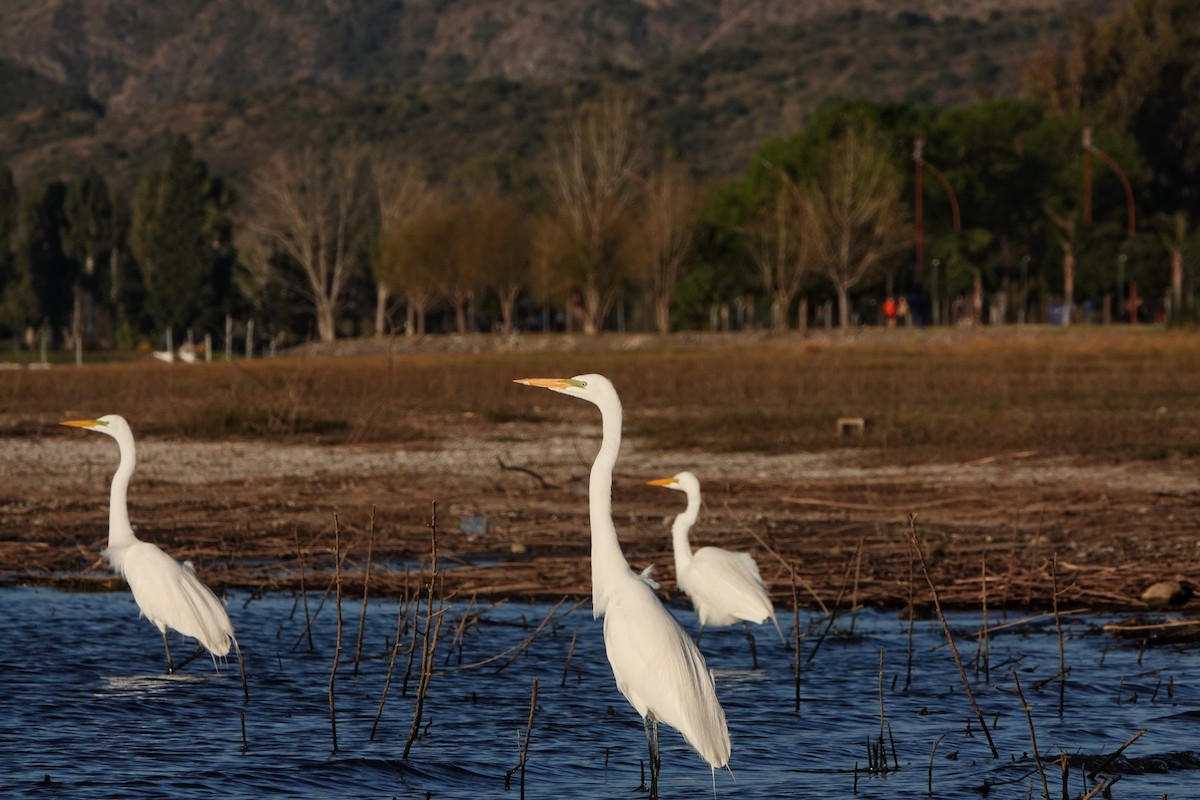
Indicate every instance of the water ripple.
{"type": "Point", "coordinates": [85, 710]}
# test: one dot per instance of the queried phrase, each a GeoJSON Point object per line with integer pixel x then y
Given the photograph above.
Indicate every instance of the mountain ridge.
{"type": "Point", "coordinates": [103, 78]}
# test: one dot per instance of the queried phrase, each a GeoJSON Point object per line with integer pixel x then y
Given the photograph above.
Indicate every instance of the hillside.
{"type": "Point", "coordinates": [448, 80]}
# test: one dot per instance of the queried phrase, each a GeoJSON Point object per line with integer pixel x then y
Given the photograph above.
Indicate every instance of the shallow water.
{"type": "Point", "coordinates": [85, 710]}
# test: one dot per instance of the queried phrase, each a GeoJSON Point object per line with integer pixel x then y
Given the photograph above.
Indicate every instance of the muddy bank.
{"type": "Point", "coordinates": [511, 516]}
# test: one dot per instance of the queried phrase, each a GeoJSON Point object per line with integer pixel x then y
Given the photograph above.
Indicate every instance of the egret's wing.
{"type": "Point", "coordinates": [730, 586]}
{"type": "Point", "coordinates": [661, 672]}
{"type": "Point", "coordinates": [170, 594]}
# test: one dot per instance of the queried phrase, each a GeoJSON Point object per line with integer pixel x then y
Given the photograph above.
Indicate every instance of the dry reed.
{"type": "Point", "coordinates": [937, 607]}
{"type": "Point", "coordinates": [429, 642]}
{"type": "Point", "coordinates": [362, 617]}
{"type": "Point", "coordinates": [337, 646]}
{"type": "Point", "coordinates": [1037, 758]}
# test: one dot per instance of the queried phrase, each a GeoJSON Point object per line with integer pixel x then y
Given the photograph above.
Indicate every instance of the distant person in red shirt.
{"type": "Point", "coordinates": [889, 312]}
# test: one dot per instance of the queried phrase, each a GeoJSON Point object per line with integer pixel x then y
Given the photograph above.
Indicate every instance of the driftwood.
{"type": "Point", "coordinates": [1156, 632]}
{"type": "Point", "coordinates": [1110, 542]}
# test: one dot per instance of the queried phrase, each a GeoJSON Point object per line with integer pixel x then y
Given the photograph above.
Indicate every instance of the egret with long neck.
{"type": "Point", "coordinates": [168, 593]}
{"type": "Point", "coordinates": [725, 587]}
{"type": "Point", "coordinates": [657, 666]}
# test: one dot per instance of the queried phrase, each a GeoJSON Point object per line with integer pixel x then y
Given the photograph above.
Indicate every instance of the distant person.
{"type": "Point", "coordinates": [889, 312]}
{"type": "Point", "coordinates": [902, 311]}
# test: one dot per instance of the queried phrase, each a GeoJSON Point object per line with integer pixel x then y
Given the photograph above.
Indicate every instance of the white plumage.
{"type": "Point", "coordinates": [725, 587]}
{"type": "Point", "coordinates": [168, 593]}
{"type": "Point", "coordinates": [657, 666]}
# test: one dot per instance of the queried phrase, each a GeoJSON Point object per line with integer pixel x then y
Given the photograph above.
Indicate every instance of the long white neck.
{"type": "Point", "coordinates": [120, 532]}
{"type": "Point", "coordinates": [679, 533]}
{"type": "Point", "coordinates": [608, 562]}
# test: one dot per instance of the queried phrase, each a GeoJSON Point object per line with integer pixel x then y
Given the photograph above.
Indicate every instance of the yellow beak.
{"type": "Point", "coordinates": [83, 423]}
{"type": "Point", "coordinates": [662, 482]}
{"type": "Point", "coordinates": [551, 383]}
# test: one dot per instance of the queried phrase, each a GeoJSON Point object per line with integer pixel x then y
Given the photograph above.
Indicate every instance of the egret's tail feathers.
{"type": "Point", "coordinates": [207, 621]}
{"type": "Point", "coordinates": [782, 638]}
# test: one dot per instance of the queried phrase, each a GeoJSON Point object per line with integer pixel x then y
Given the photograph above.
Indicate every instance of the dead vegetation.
{"type": "Point", "coordinates": [1013, 448]}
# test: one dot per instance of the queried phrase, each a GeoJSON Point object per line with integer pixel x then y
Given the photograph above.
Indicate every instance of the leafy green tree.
{"type": "Point", "coordinates": [41, 293]}
{"type": "Point", "coordinates": [127, 292]}
{"type": "Point", "coordinates": [1136, 71]}
{"type": "Point", "coordinates": [998, 180]}
{"type": "Point", "coordinates": [804, 162]}
{"type": "Point", "coordinates": [221, 228]}
{"type": "Point", "coordinates": [89, 241]}
{"type": "Point", "coordinates": [181, 237]}
{"type": "Point", "coordinates": [10, 202]}
{"type": "Point", "coordinates": [723, 269]}
{"type": "Point", "coordinates": [10, 206]}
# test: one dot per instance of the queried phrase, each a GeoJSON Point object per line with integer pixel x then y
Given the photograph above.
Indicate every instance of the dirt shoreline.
{"type": "Point", "coordinates": [242, 511]}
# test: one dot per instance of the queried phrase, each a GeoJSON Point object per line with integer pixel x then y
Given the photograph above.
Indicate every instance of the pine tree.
{"type": "Point", "coordinates": [88, 241]}
{"type": "Point", "coordinates": [41, 292]}
{"type": "Point", "coordinates": [181, 240]}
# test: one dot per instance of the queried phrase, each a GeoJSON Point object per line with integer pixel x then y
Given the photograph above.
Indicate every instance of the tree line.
{"type": "Point", "coordinates": [1078, 200]}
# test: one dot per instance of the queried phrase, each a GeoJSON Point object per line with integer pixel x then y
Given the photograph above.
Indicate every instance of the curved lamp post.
{"type": "Point", "coordinates": [919, 203]}
{"type": "Point", "coordinates": [1130, 213]}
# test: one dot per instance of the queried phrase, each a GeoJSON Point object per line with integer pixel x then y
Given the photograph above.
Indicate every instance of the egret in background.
{"type": "Point", "coordinates": [657, 666]}
{"type": "Point", "coordinates": [725, 587]}
{"type": "Point", "coordinates": [168, 593]}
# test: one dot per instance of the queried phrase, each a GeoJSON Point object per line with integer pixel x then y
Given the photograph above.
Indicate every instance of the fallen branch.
{"type": "Point", "coordinates": [526, 470]}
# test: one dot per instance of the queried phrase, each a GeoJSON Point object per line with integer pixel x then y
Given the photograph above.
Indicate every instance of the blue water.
{"type": "Point", "coordinates": [85, 710]}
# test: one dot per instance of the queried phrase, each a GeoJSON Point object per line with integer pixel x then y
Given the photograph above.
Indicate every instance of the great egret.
{"type": "Point", "coordinates": [657, 666]}
{"type": "Point", "coordinates": [725, 587]}
{"type": "Point", "coordinates": [168, 593]}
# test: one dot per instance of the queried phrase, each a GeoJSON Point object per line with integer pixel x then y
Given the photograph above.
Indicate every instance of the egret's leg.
{"type": "Point", "coordinates": [753, 647]}
{"type": "Point", "coordinates": [167, 647]}
{"type": "Point", "coordinates": [650, 723]}
{"type": "Point", "coordinates": [242, 670]}
{"type": "Point", "coordinates": [199, 652]}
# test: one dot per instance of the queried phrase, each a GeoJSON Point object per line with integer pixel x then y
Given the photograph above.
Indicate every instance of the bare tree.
{"type": "Point", "coordinates": [496, 240]}
{"type": "Point", "coordinates": [461, 271]}
{"type": "Point", "coordinates": [1174, 232]}
{"type": "Point", "coordinates": [313, 208]}
{"type": "Point", "coordinates": [592, 158]}
{"type": "Point", "coordinates": [1067, 235]}
{"type": "Point", "coordinates": [403, 190]}
{"type": "Point", "coordinates": [776, 242]}
{"type": "Point", "coordinates": [854, 218]}
{"type": "Point", "coordinates": [416, 255]}
{"type": "Point", "coordinates": [666, 238]}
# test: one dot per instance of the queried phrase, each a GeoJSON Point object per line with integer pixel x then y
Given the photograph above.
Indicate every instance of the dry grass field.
{"type": "Point", "coordinates": [1030, 458]}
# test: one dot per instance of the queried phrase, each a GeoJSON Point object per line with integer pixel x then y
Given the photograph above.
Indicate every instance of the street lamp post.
{"type": "Point", "coordinates": [919, 207]}
{"type": "Point", "coordinates": [1120, 280]}
{"type": "Point", "coordinates": [1024, 289]}
{"type": "Point", "coordinates": [935, 302]}
{"type": "Point", "coordinates": [1130, 214]}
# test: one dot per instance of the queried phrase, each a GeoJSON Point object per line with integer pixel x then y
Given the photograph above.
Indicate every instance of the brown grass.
{"type": "Point", "coordinates": [1108, 392]}
{"type": "Point", "coordinates": [1093, 395]}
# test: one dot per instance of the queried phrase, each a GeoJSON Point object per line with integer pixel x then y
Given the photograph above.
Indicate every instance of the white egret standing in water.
{"type": "Point", "coordinates": [168, 593]}
{"type": "Point", "coordinates": [725, 587]}
{"type": "Point", "coordinates": [657, 666]}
